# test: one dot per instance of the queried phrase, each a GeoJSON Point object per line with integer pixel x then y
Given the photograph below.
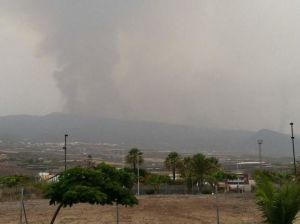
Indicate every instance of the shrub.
{"type": "Point", "coordinates": [206, 189]}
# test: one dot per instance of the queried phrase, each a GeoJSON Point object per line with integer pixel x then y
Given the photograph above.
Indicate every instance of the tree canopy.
{"type": "Point", "coordinates": [173, 162]}
{"type": "Point", "coordinates": [134, 157]}
{"type": "Point", "coordinates": [14, 181]}
{"type": "Point", "coordinates": [197, 168]}
{"type": "Point", "coordinates": [101, 185]}
{"type": "Point", "coordinates": [279, 203]}
{"type": "Point", "coordinates": [156, 180]}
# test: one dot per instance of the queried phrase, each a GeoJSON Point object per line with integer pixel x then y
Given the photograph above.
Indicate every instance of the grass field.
{"type": "Point", "coordinates": [234, 209]}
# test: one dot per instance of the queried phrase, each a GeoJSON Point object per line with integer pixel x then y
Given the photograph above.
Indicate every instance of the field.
{"type": "Point", "coordinates": [234, 209]}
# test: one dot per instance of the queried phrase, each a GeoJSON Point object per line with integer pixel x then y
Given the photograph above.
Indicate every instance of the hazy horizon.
{"type": "Point", "coordinates": [225, 64]}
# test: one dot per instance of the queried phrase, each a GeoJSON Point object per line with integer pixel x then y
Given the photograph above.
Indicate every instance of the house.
{"type": "Point", "coordinates": [47, 177]}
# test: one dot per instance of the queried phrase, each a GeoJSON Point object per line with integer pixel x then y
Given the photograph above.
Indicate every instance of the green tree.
{"type": "Point", "coordinates": [101, 185]}
{"type": "Point", "coordinates": [14, 181]}
{"type": "Point", "coordinates": [278, 203]}
{"type": "Point", "coordinates": [219, 175]}
{"type": "Point", "coordinates": [186, 171]}
{"type": "Point", "coordinates": [173, 162]}
{"type": "Point", "coordinates": [89, 161]}
{"type": "Point", "coordinates": [203, 166]}
{"type": "Point", "coordinates": [143, 172]}
{"type": "Point", "coordinates": [134, 158]}
{"type": "Point", "coordinates": [156, 180]}
{"type": "Point", "coordinates": [198, 168]}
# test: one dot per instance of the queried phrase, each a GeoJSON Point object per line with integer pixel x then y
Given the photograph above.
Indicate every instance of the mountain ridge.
{"type": "Point", "coordinates": [150, 135]}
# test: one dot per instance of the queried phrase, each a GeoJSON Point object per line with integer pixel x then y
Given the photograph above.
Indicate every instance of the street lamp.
{"type": "Point", "coordinates": [65, 148]}
{"type": "Point", "coordinates": [138, 173]}
{"type": "Point", "coordinates": [259, 142]}
{"type": "Point", "coordinates": [217, 204]}
{"type": "Point", "coordinates": [293, 144]}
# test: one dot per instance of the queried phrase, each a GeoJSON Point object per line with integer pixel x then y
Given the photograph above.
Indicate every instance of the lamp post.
{"type": "Point", "coordinates": [65, 148]}
{"type": "Point", "coordinates": [217, 204]}
{"type": "Point", "coordinates": [293, 144]}
{"type": "Point", "coordinates": [238, 180]}
{"type": "Point", "coordinates": [259, 142]}
{"type": "Point", "coordinates": [117, 214]}
{"type": "Point", "coordinates": [138, 173]}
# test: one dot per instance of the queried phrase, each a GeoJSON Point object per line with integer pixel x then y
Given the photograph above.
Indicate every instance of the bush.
{"type": "Point", "coordinates": [14, 181]}
{"type": "Point", "coordinates": [150, 191]}
{"type": "Point", "coordinates": [279, 203]}
{"type": "Point", "coordinates": [155, 180]}
{"type": "Point", "coordinates": [177, 182]}
{"type": "Point", "coordinates": [143, 172]}
{"type": "Point", "coordinates": [206, 189]}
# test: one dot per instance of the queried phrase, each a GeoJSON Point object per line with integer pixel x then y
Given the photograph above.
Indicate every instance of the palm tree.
{"type": "Point", "coordinates": [186, 171]}
{"type": "Point", "coordinates": [203, 166]}
{"type": "Point", "coordinates": [278, 203]}
{"type": "Point", "coordinates": [134, 158]}
{"type": "Point", "coordinates": [198, 168]}
{"type": "Point", "coordinates": [172, 162]}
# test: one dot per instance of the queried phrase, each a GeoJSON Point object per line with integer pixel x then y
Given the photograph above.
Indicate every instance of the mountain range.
{"type": "Point", "coordinates": [148, 135]}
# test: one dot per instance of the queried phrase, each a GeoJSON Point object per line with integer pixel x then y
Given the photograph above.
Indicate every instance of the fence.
{"type": "Point", "coordinates": [165, 189]}
{"type": "Point", "coordinates": [13, 193]}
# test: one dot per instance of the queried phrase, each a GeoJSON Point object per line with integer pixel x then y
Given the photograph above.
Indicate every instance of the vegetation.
{"type": "Point", "coordinates": [14, 181]}
{"type": "Point", "coordinates": [89, 161]}
{"type": "Point", "coordinates": [101, 185]}
{"type": "Point", "coordinates": [156, 180]}
{"type": "Point", "coordinates": [134, 158]}
{"type": "Point", "coordinates": [198, 168]}
{"type": "Point", "coordinates": [278, 197]}
{"type": "Point", "coordinates": [143, 173]}
{"type": "Point", "coordinates": [173, 162]}
{"type": "Point", "coordinates": [220, 175]}
{"type": "Point", "coordinates": [11, 187]}
{"type": "Point", "coordinates": [187, 173]}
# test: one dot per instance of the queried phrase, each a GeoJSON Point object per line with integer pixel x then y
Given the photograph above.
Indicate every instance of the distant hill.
{"type": "Point", "coordinates": [274, 143]}
{"type": "Point", "coordinates": [150, 135]}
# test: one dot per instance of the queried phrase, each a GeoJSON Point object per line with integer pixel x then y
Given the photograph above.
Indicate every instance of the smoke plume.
{"type": "Point", "coordinates": [199, 62]}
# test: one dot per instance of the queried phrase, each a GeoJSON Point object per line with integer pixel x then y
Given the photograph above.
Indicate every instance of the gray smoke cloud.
{"type": "Point", "coordinates": [230, 64]}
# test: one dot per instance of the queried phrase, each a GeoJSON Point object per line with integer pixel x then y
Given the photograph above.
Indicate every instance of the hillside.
{"type": "Point", "coordinates": [150, 135]}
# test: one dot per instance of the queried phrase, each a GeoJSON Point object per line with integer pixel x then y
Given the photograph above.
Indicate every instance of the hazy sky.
{"type": "Point", "coordinates": [228, 64]}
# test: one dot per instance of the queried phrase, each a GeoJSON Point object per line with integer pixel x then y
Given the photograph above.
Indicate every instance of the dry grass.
{"type": "Point", "coordinates": [234, 209]}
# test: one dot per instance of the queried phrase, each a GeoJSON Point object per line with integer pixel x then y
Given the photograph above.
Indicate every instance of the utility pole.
{"type": "Point", "coordinates": [65, 148]}
{"type": "Point", "coordinates": [293, 144]}
{"type": "Point", "coordinates": [260, 141]}
{"type": "Point", "coordinates": [22, 208]}
{"type": "Point", "coordinates": [117, 214]}
{"type": "Point", "coordinates": [217, 204]}
{"type": "Point", "coordinates": [138, 184]}
{"type": "Point", "coordinates": [238, 180]}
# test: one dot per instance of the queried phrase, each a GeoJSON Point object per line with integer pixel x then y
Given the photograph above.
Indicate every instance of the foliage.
{"type": "Point", "coordinates": [198, 168]}
{"type": "Point", "coordinates": [206, 189]}
{"type": "Point", "coordinates": [89, 161]}
{"type": "Point", "coordinates": [156, 180]}
{"type": "Point", "coordinates": [150, 191]}
{"type": "Point", "coordinates": [143, 173]}
{"type": "Point", "coordinates": [279, 203]}
{"type": "Point", "coordinates": [177, 182]}
{"type": "Point", "coordinates": [134, 158]}
{"type": "Point", "coordinates": [101, 185]}
{"type": "Point", "coordinates": [275, 177]}
{"type": "Point", "coordinates": [14, 181]}
{"type": "Point", "coordinates": [203, 165]}
{"type": "Point", "coordinates": [220, 175]}
{"type": "Point", "coordinates": [187, 172]}
{"type": "Point", "coordinates": [172, 162]}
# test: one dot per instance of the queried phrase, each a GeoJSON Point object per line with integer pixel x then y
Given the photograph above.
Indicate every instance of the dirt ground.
{"type": "Point", "coordinates": [234, 209]}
